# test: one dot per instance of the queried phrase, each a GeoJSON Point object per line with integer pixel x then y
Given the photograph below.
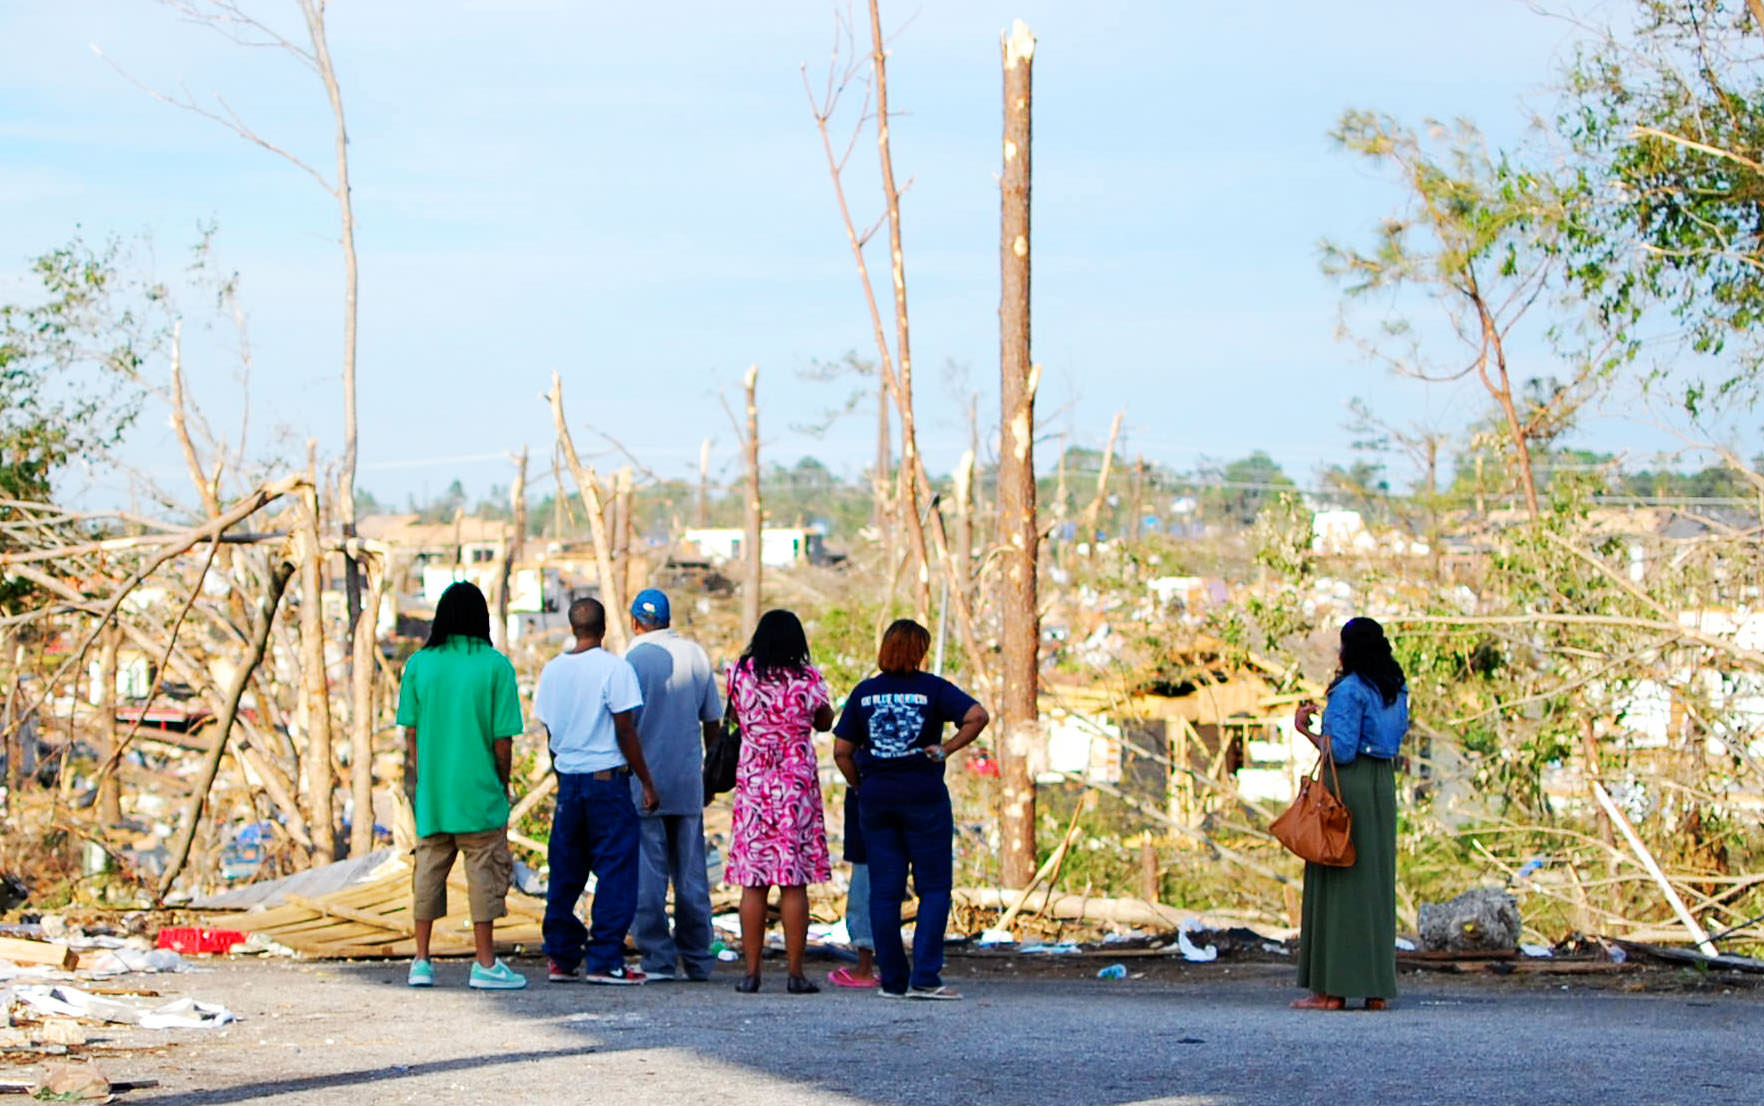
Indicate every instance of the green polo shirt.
{"type": "Point", "coordinates": [460, 698]}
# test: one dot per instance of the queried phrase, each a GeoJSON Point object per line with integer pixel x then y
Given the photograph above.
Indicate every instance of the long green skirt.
{"type": "Point", "coordinates": [1347, 944]}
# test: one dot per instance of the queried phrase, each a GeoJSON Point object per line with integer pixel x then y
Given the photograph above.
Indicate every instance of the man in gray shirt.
{"type": "Point", "coordinates": [679, 717]}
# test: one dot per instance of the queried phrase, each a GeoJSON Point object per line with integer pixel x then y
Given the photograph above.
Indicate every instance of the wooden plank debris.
{"type": "Point", "coordinates": [373, 919]}
{"type": "Point", "coordinates": [47, 953]}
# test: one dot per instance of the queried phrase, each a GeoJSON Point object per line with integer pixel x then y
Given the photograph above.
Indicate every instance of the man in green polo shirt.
{"type": "Point", "coordinates": [460, 710]}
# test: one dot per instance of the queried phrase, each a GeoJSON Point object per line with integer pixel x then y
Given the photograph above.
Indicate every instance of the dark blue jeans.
{"type": "Point", "coordinates": [594, 830]}
{"type": "Point", "coordinates": [899, 836]}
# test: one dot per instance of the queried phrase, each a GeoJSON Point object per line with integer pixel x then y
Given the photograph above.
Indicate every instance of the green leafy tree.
{"type": "Point", "coordinates": [1475, 244]}
{"type": "Point", "coordinates": [1666, 115]}
{"type": "Point", "coordinates": [70, 363]}
{"type": "Point", "coordinates": [1245, 487]}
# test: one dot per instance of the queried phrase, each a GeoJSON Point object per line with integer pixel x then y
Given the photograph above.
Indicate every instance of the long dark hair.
{"type": "Point", "coordinates": [1365, 652]}
{"type": "Point", "coordinates": [778, 646]}
{"type": "Point", "coordinates": [462, 613]}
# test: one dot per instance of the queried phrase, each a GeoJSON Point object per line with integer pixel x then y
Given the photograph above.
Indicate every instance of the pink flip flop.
{"type": "Point", "coordinates": [845, 977]}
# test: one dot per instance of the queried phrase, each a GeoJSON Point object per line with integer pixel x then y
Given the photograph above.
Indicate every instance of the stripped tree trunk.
{"type": "Point", "coordinates": [913, 484]}
{"type": "Point", "coordinates": [316, 785]}
{"type": "Point", "coordinates": [756, 516]}
{"type": "Point", "coordinates": [1136, 500]}
{"type": "Point", "coordinates": [1018, 533]}
{"type": "Point", "coordinates": [622, 530]}
{"type": "Point", "coordinates": [314, 11]}
{"type": "Point", "coordinates": [516, 547]}
{"type": "Point", "coordinates": [1062, 499]}
{"type": "Point", "coordinates": [703, 512]}
{"type": "Point", "coordinates": [880, 514]}
{"type": "Point", "coordinates": [109, 787]}
{"type": "Point", "coordinates": [612, 589]}
{"type": "Point", "coordinates": [1093, 513]}
{"type": "Point", "coordinates": [362, 715]}
{"type": "Point", "coordinates": [964, 535]}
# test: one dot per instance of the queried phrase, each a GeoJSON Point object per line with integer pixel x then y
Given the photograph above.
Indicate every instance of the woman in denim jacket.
{"type": "Point", "coordinates": [1347, 943]}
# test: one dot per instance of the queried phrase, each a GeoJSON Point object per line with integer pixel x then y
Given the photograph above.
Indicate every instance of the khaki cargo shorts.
{"type": "Point", "coordinates": [489, 868]}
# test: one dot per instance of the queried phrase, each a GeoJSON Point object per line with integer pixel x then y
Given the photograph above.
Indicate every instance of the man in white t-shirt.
{"type": "Point", "coordinates": [587, 700]}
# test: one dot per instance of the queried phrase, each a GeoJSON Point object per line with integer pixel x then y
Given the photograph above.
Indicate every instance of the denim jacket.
{"type": "Point", "coordinates": [1357, 723]}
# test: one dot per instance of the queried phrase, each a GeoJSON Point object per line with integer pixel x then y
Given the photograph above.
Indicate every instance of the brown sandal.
{"type": "Point", "coordinates": [1319, 1002]}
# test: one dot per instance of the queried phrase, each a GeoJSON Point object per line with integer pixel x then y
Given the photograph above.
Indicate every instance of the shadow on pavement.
{"type": "Point", "coordinates": [361, 1077]}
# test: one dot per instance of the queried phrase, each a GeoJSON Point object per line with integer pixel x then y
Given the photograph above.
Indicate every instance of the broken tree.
{"type": "Point", "coordinates": [1019, 533]}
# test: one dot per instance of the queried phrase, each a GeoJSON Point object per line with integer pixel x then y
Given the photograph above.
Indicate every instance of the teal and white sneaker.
{"type": "Point", "coordinates": [422, 973]}
{"type": "Point", "coordinates": [497, 977]}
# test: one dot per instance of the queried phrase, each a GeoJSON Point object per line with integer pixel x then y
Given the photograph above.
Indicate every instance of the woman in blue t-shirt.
{"type": "Point", "coordinates": [889, 745]}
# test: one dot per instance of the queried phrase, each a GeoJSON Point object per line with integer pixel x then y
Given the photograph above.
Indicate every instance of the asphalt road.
{"type": "Point", "coordinates": [355, 1034]}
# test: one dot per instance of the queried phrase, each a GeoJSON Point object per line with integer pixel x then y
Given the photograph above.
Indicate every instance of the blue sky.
{"type": "Point", "coordinates": [634, 196]}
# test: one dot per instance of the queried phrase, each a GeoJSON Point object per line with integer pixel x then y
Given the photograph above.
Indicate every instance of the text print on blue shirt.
{"type": "Point", "coordinates": [897, 719]}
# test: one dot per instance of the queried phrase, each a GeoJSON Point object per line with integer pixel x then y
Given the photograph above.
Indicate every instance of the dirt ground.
{"type": "Point", "coordinates": [1028, 1033]}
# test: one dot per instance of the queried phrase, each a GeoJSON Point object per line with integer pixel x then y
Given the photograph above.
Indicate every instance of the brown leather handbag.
{"type": "Point", "coordinates": [1318, 826]}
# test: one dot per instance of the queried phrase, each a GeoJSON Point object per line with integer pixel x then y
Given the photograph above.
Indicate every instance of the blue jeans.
{"type": "Point", "coordinates": [918, 836]}
{"type": "Point", "coordinates": [857, 909]}
{"type": "Point", "coordinates": [673, 851]}
{"type": "Point", "coordinates": [594, 830]}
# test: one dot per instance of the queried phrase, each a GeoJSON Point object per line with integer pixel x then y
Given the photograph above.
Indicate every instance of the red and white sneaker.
{"type": "Point", "coordinates": [618, 977]}
{"type": "Point", "coordinates": [557, 973]}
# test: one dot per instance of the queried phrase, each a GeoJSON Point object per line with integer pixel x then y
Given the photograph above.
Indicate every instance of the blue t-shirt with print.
{"type": "Point", "coordinates": [892, 720]}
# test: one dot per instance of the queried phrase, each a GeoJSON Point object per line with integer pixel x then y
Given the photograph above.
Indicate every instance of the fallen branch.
{"type": "Point", "coordinates": [263, 619]}
{"type": "Point", "coordinates": [1698, 934]}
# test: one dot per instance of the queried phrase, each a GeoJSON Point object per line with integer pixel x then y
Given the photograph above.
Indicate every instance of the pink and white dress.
{"type": "Point", "coordinates": [779, 836]}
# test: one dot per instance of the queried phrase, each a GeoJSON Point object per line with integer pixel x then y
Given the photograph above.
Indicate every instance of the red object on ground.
{"type": "Point", "coordinates": [199, 941]}
{"type": "Point", "coordinates": [982, 764]}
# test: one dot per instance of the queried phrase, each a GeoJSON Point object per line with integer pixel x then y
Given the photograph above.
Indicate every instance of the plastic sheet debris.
{"type": "Point", "coordinates": [1113, 971]}
{"type": "Point", "coordinates": [1405, 944]}
{"type": "Point", "coordinates": [71, 1002]}
{"type": "Point", "coordinates": [1061, 948]}
{"type": "Point", "coordinates": [529, 880]}
{"type": "Point", "coordinates": [991, 938]}
{"type": "Point", "coordinates": [123, 960]}
{"type": "Point", "coordinates": [1537, 952]}
{"type": "Point", "coordinates": [1190, 951]}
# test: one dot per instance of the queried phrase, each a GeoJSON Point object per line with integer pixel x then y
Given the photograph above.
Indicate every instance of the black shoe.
{"type": "Point", "coordinates": [748, 985]}
{"type": "Point", "coordinates": [801, 986]}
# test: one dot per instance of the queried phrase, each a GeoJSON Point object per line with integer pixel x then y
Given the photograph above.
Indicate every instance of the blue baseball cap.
{"type": "Point", "coordinates": [651, 606]}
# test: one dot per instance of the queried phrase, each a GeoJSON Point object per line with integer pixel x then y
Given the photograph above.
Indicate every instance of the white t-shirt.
{"type": "Point", "coordinates": [578, 695]}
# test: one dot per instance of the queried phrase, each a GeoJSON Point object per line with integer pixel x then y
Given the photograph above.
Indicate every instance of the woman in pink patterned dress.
{"type": "Point", "coordinates": [779, 838]}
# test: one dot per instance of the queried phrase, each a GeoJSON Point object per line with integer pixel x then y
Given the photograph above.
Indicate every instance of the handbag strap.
{"type": "Point", "coordinates": [1326, 752]}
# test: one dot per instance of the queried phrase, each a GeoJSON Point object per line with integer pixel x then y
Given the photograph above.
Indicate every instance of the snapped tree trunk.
{"type": "Point", "coordinates": [316, 785]}
{"type": "Point", "coordinates": [508, 555]}
{"type": "Point", "coordinates": [612, 591]}
{"type": "Point", "coordinates": [362, 715]}
{"type": "Point", "coordinates": [1093, 513]}
{"type": "Point", "coordinates": [109, 785]}
{"type": "Point", "coordinates": [622, 480]}
{"type": "Point", "coordinates": [964, 526]}
{"type": "Point", "coordinates": [1018, 531]}
{"type": "Point", "coordinates": [756, 515]}
{"type": "Point", "coordinates": [702, 514]}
